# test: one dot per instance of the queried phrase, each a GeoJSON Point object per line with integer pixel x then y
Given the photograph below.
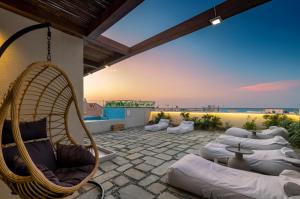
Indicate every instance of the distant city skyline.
{"type": "Point", "coordinates": [249, 60]}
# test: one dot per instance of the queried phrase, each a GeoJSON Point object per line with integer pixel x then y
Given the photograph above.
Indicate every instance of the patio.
{"type": "Point", "coordinates": [142, 160]}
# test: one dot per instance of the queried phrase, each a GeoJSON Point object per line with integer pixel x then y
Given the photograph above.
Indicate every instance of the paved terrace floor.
{"type": "Point", "coordinates": [138, 171]}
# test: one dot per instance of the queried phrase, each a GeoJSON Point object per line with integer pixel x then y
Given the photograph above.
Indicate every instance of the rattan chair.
{"type": "Point", "coordinates": [42, 91]}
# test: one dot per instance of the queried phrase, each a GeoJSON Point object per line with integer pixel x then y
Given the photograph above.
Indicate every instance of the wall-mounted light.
{"type": "Point", "coordinates": [215, 21]}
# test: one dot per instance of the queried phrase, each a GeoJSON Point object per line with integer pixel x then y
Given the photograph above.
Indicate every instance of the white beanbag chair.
{"type": "Point", "coordinates": [161, 125]}
{"type": "Point", "coordinates": [265, 134]}
{"type": "Point", "coordinates": [184, 127]}
{"type": "Point", "coordinates": [210, 180]}
{"type": "Point", "coordinates": [270, 162]}
{"type": "Point", "coordinates": [277, 142]}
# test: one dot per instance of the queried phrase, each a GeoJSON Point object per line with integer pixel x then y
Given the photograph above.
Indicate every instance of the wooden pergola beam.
{"type": "Point", "coordinates": [114, 14]}
{"type": "Point", "coordinates": [226, 10]}
{"type": "Point", "coordinates": [109, 44]}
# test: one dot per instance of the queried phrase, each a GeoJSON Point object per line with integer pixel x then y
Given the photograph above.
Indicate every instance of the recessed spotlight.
{"type": "Point", "coordinates": [215, 21]}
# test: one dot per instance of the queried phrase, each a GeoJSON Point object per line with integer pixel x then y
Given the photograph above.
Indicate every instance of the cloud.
{"type": "Point", "coordinates": [272, 86]}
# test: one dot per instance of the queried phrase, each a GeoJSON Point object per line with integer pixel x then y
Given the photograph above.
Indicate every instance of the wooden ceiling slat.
{"type": "Point", "coordinates": [71, 16]}
{"type": "Point", "coordinates": [30, 11]}
{"type": "Point", "coordinates": [82, 10]}
{"type": "Point", "coordinates": [111, 16]}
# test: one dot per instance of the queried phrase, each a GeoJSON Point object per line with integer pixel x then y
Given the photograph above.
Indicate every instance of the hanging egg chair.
{"type": "Point", "coordinates": [39, 157]}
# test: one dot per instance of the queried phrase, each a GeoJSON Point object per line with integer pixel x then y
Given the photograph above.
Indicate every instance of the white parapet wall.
{"type": "Point", "coordinates": [100, 126]}
{"type": "Point", "coordinates": [134, 117]}
{"type": "Point", "coordinates": [234, 119]}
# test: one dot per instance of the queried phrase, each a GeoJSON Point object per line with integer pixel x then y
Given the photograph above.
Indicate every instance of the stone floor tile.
{"type": "Point", "coordinates": [156, 188]}
{"type": "Point", "coordinates": [134, 156]}
{"type": "Point", "coordinates": [121, 181]}
{"type": "Point", "coordinates": [134, 192]}
{"type": "Point", "coordinates": [162, 169]}
{"type": "Point", "coordinates": [120, 160]}
{"type": "Point", "coordinates": [144, 167]}
{"type": "Point", "coordinates": [153, 161]}
{"type": "Point", "coordinates": [124, 167]}
{"type": "Point", "coordinates": [107, 185]}
{"type": "Point", "coordinates": [148, 180]}
{"type": "Point", "coordinates": [106, 176]}
{"type": "Point", "coordinates": [137, 161]}
{"type": "Point", "coordinates": [108, 166]}
{"type": "Point", "coordinates": [164, 156]}
{"type": "Point", "coordinates": [135, 174]}
{"type": "Point", "coordinates": [167, 195]}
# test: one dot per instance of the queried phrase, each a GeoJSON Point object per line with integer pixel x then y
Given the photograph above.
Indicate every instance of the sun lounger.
{"type": "Point", "coordinates": [265, 134]}
{"type": "Point", "coordinates": [161, 125]}
{"type": "Point", "coordinates": [210, 180]}
{"type": "Point", "coordinates": [270, 162]}
{"type": "Point", "coordinates": [184, 127]}
{"type": "Point", "coordinates": [277, 142]}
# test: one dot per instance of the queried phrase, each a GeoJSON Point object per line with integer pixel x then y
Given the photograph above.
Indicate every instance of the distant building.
{"type": "Point", "coordinates": [92, 109]}
{"type": "Point", "coordinates": [274, 111]}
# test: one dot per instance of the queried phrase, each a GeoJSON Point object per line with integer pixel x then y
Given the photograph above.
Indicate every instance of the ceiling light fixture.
{"type": "Point", "coordinates": [217, 19]}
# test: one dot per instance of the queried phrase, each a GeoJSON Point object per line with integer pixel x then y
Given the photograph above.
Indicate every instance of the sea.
{"type": "Point", "coordinates": [257, 110]}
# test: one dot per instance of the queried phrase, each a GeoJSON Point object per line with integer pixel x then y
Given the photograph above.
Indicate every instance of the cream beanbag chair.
{"type": "Point", "coordinates": [270, 162]}
{"type": "Point", "coordinates": [277, 142]}
{"type": "Point", "coordinates": [184, 127]}
{"type": "Point", "coordinates": [210, 180]}
{"type": "Point", "coordinates": [161, 125]}
{"type": "Point", "coordinates": [265, 134]}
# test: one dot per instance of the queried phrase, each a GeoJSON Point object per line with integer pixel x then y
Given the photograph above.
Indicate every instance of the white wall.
{"type": "Point", "coordinates": [136, 117]}
{"type": "Point", "coordinates": [67, 53]}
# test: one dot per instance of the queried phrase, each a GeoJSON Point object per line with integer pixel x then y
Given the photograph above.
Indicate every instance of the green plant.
{"type": "Point", "coordinates": [161, 115]}
{"type": "Point", "coordinates": [250, 124]}
{"type": "Point", "coordinates": [277, 120]}
{"type": "Point", "coordinates": [211, 122]}
{"type": "Point", "coordinates": [185, 116]}
{"type": "Point", "coordinates": [197, 123]}
{"type": "Point", "coordinates": [227, 125]}
{"type": "Point", "coordinates": [294, 134]}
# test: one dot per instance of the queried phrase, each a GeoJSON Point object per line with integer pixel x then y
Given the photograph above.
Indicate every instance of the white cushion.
{"type": "Point", "coordinates": [184, 127]}
{"type": "Point", "coordinates": [204, 178]}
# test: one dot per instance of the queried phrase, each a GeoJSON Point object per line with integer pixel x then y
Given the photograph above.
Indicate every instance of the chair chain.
{"type": "Point", "coordinates": [49, 44]}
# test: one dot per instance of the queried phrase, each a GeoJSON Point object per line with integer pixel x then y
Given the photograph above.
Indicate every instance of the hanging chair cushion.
{"type": "Point", "coordinates": [73, 176]}
{"type": "Point", "coordinates": [41, 152]}
{"type": "Point", "coordinates": [76, 156]}
{"type": "Point", "coordinates": [29, 131]}
{"type": "Point", "coordinates": [66, 177]}
{"type": "Point", "coordinates": [74, 163]}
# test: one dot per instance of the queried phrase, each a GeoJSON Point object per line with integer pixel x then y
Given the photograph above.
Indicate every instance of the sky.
{"type": "Point", "coordinates": [249, 60]}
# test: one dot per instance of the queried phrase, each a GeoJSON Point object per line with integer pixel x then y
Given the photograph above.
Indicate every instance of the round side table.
{"type": "Point", "coordinates": [238, 162]}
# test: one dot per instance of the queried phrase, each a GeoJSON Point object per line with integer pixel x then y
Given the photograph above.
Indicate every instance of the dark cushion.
{"type": "Point", "coordinates": [66, 177]}
{"type": "Point", "coordinates": [291, 189]}
{"type": "Point", "coordinates": [41, 152]}
{"type": "Point", "coordinates": [29, 130]}
{"type": "Point", "coordinates": [14, 162]}
{"type": "Point", "coordinates": [73, 156]}
{"type": "Point", "coordinates": [73, 176]}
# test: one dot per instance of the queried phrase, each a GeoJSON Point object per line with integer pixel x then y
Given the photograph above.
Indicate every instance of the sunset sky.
{"type": "Point", "coordinates": [250, 60]}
